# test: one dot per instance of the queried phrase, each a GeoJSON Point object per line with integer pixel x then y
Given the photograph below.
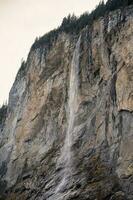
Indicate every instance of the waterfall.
{"type": "Point", "coordinates": [65, 157]}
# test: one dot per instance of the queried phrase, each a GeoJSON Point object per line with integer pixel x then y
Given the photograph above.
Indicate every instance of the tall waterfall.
{"type": "Point", "coordinates": [65, 157]}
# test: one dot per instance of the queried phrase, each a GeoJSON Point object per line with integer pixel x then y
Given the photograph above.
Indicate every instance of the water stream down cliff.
{"type": "Point", "coordinates": [68, 134]}
{"type": "Point", "coordinates": [66, 156]}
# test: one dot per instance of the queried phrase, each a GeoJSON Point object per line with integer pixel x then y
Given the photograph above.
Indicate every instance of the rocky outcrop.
{"type": "Point", "coordinates": [3, 113]}
{"type": "Point", "coordinates": [69, 129]}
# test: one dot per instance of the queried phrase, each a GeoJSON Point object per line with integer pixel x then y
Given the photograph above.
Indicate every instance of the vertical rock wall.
{"type": "Point", "coordinates": [69, 130]}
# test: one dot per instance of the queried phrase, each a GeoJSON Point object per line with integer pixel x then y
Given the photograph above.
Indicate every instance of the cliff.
{"type": "Point", "coordinates": [69, 128]}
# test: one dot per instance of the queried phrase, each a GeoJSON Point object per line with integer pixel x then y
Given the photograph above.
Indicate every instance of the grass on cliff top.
{"type": "Point", "coordinates": [73, 24]}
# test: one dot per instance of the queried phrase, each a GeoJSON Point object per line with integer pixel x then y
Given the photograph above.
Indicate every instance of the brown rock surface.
{"type": "Point", "coordinates": [69, 130]}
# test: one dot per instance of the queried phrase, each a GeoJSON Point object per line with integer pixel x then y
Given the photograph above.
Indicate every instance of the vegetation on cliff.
{"type": "Point", "coordinates": [73, 24]}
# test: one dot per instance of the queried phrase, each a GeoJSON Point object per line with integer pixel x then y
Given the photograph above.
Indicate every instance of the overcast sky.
{"type": "Point", "coordinates": [21, 21]}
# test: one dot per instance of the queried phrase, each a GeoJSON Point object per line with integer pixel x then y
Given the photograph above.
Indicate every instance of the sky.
{"type": "Point", "coordinates": [21, 21]}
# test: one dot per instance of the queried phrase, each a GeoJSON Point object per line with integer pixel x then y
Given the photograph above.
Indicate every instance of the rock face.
{"type": "Point", "coordinates": [69, 130]}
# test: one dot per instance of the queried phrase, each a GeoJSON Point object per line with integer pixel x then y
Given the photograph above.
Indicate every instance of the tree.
{"type": "Point", "coordinates": [115, 4]}
{"type": "Point", "coordinates": [130, 2]}
{"type": "Point", "coordinates": [72, 24]}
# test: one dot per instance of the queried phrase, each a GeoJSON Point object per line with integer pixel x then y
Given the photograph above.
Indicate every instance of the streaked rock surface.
{"type": "Point", "coordinates": [69, 130]}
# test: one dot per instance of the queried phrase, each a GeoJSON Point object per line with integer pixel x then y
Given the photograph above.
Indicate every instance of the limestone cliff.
{"type": "Point", "coordinates": [69, 128]}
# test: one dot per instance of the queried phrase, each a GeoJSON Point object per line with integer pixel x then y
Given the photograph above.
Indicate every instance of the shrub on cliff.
{"type": "Point", "coordinates": [70, 24]}
{"type": "Point", "coordinates": [115, 4]}
{"type": "Point", "coordinates": [130, 2]}
{"type": "Point", "coordinates": [73, 24]}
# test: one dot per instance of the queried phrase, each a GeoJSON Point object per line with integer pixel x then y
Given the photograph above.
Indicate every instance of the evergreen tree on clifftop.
{"type": "Point", "coordinates": [73, 24]}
